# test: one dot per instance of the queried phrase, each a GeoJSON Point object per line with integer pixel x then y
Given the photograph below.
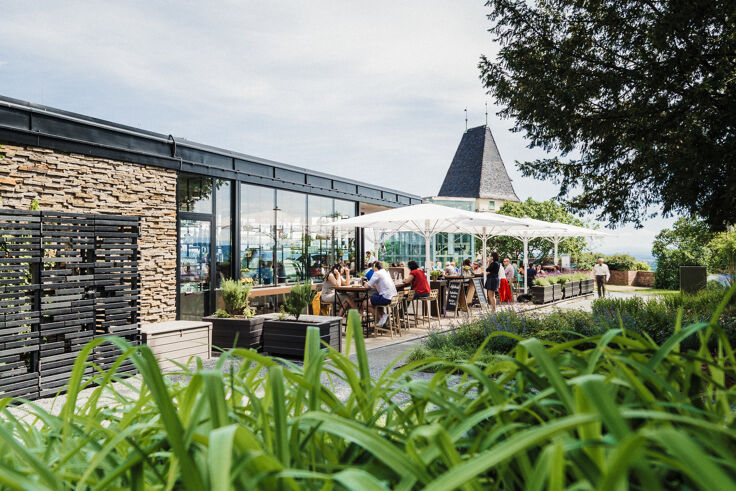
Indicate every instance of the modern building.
{"type": "Point", "coordinates": [206, 213]}
{"type": "Point", "coordinates": [477, 180]}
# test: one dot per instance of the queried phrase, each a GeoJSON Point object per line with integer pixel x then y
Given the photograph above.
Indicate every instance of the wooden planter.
{"type": "Point", "coordinates": [557, 292]}
{"type": "Point", "coordinates": [572, 289]}
{"type": "Point", "coordinates": [586, 287]}
{"type": "Point", "coordinates": [542, 294]}
{"type": "Point", "coordinates": [288, 337]}
{"type": "Point", "coordinates": [247, 331]}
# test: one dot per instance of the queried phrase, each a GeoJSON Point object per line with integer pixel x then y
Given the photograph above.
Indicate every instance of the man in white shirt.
{"type": "Point", "coordinates": [369, 259]}
{"type": "Point", "coordinates": [385, 291]}
{"type": "Point", "coordinates": [602, 274]}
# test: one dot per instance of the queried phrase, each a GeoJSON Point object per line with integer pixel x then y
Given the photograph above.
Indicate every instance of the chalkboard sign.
{"type": "Point", "coordinates": [453, 295]}
{"type": "Point", "coordinates": [478, 283]}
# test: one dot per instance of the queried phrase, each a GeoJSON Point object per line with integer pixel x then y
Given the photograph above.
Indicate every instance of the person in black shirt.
{"type": "Point", "coordinates": [492, 279]}
{"type": "Point", "coordinates": [531, 273]}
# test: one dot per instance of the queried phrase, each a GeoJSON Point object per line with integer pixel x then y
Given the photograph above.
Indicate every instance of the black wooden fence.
{"type": "Point", "coordinates": [65, 279]}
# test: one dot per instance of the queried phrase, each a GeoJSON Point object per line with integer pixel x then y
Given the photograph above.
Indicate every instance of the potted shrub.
{"type": "Point", "coordinates": [435, 275]}
{"type": "Point", "coordinates": [285, 333]}
{"type": "Point", "coordinates": [236, 325]}
{"type": "Point", "coordinates": [542, 291]}
{"type": "Point", "coordinates": [586, 284]}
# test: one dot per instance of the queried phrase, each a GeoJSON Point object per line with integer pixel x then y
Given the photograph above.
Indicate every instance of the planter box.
{"type": "Point", "coordinates": [586, 286]}
{"type": "Point", "coordinates": [247, 331]}
{"type": "Point", "coordinates": [177, 341]}
{"type": "Point", "coordinates": [288, 337]}
{"type": "Point", "coordinates": [557, 292]}
{"type": "Point", "coordinates": [542, 294]}
{"type": "Point", "coordinates": [572, 289]}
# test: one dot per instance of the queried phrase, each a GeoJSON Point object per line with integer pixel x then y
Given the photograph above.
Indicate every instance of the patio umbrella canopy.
{"type": "Point", "coordinates": [428, 219]}
{"type": "Point", "coordinates": [552, 231]}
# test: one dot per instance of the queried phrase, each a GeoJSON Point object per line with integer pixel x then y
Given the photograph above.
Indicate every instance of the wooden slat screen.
{"type": "Point", "coordinates": [65, 279]}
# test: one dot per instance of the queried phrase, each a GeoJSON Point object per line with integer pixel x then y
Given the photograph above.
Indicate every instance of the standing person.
{"type": "Point", "coordinates": [531, 273]}
{"type": "Point", "coordinates": [369, 259]}
{"type": "Point", "coordinates": [509, 272]}
{"type": "Point", "coordinates": [492, 279]}
{"type": "Point", "coordinates": [385, 291]}
{"type": "Point", "coordinates": [602, 275]}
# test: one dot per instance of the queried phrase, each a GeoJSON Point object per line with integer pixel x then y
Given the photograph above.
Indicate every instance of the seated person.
{"type": "Point", "coordinates": [332, 279]}
{"type": "Point", "coordinates": [385, 291]}
{"type": "Point", "coordinates": [418, 280]}
{"type": "Point", "coordinates": [450, 269]}
{"type": "Point", "coordinates": [438, 266]}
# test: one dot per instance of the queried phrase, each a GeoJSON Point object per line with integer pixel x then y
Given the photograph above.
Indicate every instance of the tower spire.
{"type": "Point", "coordinates": [486, 113]}
{"type": "Point", "coordinates": [466, 120]}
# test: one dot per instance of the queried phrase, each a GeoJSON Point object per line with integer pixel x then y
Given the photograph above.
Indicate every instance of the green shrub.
{"type": "Point", "coordinates": [222, 314]}
{"type": "Point", "coordinates": [620, 262]}
{"type": "Point", "coordinates": [235, 297]}
{"type": "Point", "coordinates": [296, 301]}
{"type": "Point", "coordinates": [609, 411]}
{"type": "Point", "coordinates": [641, 266]}
{"type": "Point", "coordinates": [541, 282]}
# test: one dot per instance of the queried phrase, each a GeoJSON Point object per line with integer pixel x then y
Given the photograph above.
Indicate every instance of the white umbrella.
{"type": "Point", "coordinates": [552, 231]}
{"type": "Point", "coordinates": [427, 219]}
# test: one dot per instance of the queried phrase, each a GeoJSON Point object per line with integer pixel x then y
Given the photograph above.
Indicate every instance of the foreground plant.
{"type": "Point", "coordinates": [623, 412]}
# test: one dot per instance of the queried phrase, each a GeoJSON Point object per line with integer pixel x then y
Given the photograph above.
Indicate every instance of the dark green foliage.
{"type": "Point", "coordinates": [685, 244]}
{"type": "Point", "coordinates": [640, 93]}
{"type": "Point", "coordinates": [295, 302]}
{"type": "Point", "coordinates": [655, 317]}
{"type": "Point", "coordinates": [620, 262]}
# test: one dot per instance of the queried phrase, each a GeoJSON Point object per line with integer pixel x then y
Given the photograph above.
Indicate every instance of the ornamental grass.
{"type": "Point", "coordinates": [607, 411]}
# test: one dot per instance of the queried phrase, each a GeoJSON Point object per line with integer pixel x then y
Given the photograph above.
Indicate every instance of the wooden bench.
{"type": "Point", "coordinates": [178, 341]}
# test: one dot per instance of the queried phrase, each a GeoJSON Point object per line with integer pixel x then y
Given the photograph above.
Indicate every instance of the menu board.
{"type": "Point", "coordinates": [453, 295]}
{"type": "Point", "coordinates": [478, 283]}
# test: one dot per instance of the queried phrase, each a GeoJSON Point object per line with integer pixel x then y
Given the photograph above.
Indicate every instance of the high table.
{"type": "Point", "coordinates": [360, 292]}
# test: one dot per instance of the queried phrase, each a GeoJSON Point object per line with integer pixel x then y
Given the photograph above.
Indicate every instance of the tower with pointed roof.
{"type": "Point", "coordinates": [477, 179]}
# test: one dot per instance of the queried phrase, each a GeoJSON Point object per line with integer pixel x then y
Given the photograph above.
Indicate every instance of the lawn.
{"type": "Point", "coordinates": [643, 291]}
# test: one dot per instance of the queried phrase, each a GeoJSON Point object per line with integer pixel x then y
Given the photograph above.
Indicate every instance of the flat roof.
{"type": "Point", "coordinates": [26, 123]}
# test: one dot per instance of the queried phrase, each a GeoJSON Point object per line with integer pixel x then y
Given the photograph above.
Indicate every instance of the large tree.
{"type": "Point", "coordinates": [637, 97]}
{"type": "Point", "coordinates": [550, 211]}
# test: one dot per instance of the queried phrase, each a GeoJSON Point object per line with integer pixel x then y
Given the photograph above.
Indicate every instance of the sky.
{"type": "Point", "coordinates": [373, 91]}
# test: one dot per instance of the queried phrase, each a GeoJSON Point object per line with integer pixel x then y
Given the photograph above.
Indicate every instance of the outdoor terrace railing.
{"type": "Point", "coordinates": [65, 279]}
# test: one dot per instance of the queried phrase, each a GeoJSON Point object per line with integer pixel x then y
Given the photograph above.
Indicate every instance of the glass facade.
{"type": "Point", "coordinates": [257, 230]}
{"type": "Point", "coordinates": [281, 239]}
{"type": "Point", "coordinates": [406, 246]}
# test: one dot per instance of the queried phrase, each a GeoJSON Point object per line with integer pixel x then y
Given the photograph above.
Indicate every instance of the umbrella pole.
{"type": "Point", "coordinates": [526, 262]}
{"type": "Point", "coordinates": [556, 242]}
{"type": "Point", "coordinates": [484, 240]}
{"type": "Point", "coordinates": [427, 259]}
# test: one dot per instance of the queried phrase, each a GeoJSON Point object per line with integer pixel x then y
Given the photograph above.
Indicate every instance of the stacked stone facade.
{"type": "Point", "coordinates": [78, 183]}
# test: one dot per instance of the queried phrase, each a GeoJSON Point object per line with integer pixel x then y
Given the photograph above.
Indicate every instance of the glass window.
{"type": "Point", "coordinates": [319, 241]}
{"type": "Point", "coordinates": [223, 230]}
{"type": "Point", "coordinates": [257, 233]}
{"type": "Point", "coordinates": [194, 274]}
{"type": "Point", "coordinates": [491, 205]}
{"type": "Point", "coordinates": [291, 244]}
{"type": "Point", "coordinates": [195, 193]}
{"type": "Point", "coordinates": [345, 239]}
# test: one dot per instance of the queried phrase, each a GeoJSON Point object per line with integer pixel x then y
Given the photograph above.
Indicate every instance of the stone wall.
{"type": "Point", "coordinates": [629, 278]}
{"type": "Point", "coordinates": [77, 183]}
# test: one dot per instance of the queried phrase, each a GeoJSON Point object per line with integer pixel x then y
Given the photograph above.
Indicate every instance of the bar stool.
{"type": "Point", "coordinates": [426, 302]}
{"type": "Point", "coordinates": [408, 300]}
{"type": "Point", "coordinates": [397, 314]}
{"type": "Point", "coordinates": [389, 309]}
